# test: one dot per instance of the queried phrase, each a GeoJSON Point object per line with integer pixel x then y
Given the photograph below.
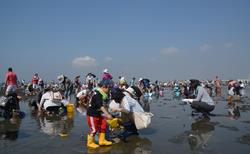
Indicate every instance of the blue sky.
{"type": "Point", "coordinates": [157, 39]}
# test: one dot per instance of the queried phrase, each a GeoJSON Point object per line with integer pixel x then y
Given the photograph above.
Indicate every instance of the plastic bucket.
{"type": "Point", "coordinates": [70, 115]}
{"type": "Point", "coordinates": [70, 108]}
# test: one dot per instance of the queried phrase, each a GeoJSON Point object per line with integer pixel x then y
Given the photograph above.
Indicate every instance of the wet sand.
{"type": "Point", "coordinates": [173, 130]}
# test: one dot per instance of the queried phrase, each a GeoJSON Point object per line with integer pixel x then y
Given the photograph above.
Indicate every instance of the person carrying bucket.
{"type": "Point", "coordinates": [97, 115]}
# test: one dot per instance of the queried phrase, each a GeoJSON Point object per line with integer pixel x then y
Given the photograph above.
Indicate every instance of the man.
{"type": "Point", "coordinates": [66, 86]}
{"type": "Point", "coordinates": [35, 80]}
{"type": "Point", "coordinates": [96, 119]}
{"type": "Point", "coordinates": [11, 82]}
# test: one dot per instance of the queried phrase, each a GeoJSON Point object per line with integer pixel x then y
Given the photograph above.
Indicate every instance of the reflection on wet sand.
{"type": "Point", "coordinates": [244, 139]}
{"type": "Point", "coordinates": [9, 130]}
{"type": "Point", "coordinates": [199, 135]}
{"type": "Point", "coordinates": [54, 125]}
{"type": "Point", "coordinates": [233, 111]}
{"type": "Point", "coordinates": [201, 131]}
{"type": "Point", "coordinates": [146, 104]}
{"type": "Point", "coordinates": [134, 144]}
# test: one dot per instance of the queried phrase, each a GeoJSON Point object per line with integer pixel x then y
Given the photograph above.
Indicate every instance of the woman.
{"type": "Point", "coordinates": [203, 102]}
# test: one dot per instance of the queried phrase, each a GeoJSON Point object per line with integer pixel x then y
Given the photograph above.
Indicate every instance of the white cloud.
{"type": "Point", "coordinates": [205, 47]}
{"type": "Point", "coordinates": [84, 61]}
{"type": "Point", "coordinates": [229, 45]}
{"type": "Point", "coordinates": [170, 50]}
{"type": "Point", "coordinates": [108, 59]}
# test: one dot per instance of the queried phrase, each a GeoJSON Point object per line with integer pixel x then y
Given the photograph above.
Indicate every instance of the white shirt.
{"type": "Point", "coordinates": [131, 104]}
{"type": "Point", "coordinates": [48, 100]}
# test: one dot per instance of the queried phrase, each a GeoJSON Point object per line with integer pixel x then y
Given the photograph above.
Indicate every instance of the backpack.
{"type": "Point", "coordinates": [8, 105]}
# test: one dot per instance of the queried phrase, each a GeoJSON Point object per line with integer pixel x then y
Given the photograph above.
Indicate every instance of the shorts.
{"type": "Point", "coordinates": [10, 89]}
{"type": "Point", "coordinates": [35, 86]}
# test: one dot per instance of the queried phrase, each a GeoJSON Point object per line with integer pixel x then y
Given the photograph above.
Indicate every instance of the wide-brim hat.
{"type": "Point", "coordinates": [60, 78]}
{"type": "Point", "coordinates": [130, 90]}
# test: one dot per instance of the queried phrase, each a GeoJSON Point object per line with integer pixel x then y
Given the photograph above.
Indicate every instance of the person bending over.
{"type": "Point", "coordinates": [203, 102]}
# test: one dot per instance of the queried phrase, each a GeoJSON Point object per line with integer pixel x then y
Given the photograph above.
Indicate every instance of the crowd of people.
{"type": "Point", "coordinates": [106, 100]}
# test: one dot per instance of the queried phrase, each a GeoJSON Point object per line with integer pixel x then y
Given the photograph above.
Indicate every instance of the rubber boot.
{"type": "Point", "coordinates": [102, 140]}
{"type": "Point", "coordinates": [91, 142]}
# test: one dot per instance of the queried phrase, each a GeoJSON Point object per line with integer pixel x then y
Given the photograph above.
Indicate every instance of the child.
{"type": "Point", "coordinates": [96, 119]}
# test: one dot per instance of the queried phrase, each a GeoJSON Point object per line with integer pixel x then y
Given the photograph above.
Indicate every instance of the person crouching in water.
{"type": "Point", "coordinates": [128, 105]}
{"type": "Point", "coordinates": [203, 102]}
{"type": "Point", "coordinates": [96, 119]}
{"type": "Point", "coordinates": [52, 102]}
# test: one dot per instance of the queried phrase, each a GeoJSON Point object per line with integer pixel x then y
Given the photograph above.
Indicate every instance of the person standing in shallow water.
{"type": "Point", "coordinates": [97, 115]}
{"type": "Point", "coordinates": [10, 82]}
{"type": "Point", "coordinates": [217, 83]}
{"type": "Point", "coordinates": [35, 80]}
{"type": "Point", "coordinates": [66, 86]}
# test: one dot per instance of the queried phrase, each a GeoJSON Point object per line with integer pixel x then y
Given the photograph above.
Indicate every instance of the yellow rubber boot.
{"type": "Point", "coordinates": [91, 142]}
{"type": "Point", "coordinates": [102, 140]}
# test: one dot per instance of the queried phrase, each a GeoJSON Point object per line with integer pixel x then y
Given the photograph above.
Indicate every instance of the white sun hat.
{"type": "Point", "coordinates": [105, 70]}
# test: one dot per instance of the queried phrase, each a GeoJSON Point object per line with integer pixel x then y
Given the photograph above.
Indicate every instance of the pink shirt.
{"type": "Point", "coordinates": [11, 78]}
{"type": "Point", "coordinates": [106, 76]}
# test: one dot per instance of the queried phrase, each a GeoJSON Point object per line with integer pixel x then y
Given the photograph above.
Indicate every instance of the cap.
{"type": "Point", "coordinates": [82, 93]}
{"type": "Point", "coordinates": [105, 70]}
{"type": "Point", "coordinates": [140, 79]}
{"type": "Point", "coordinates": [122, 80]}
